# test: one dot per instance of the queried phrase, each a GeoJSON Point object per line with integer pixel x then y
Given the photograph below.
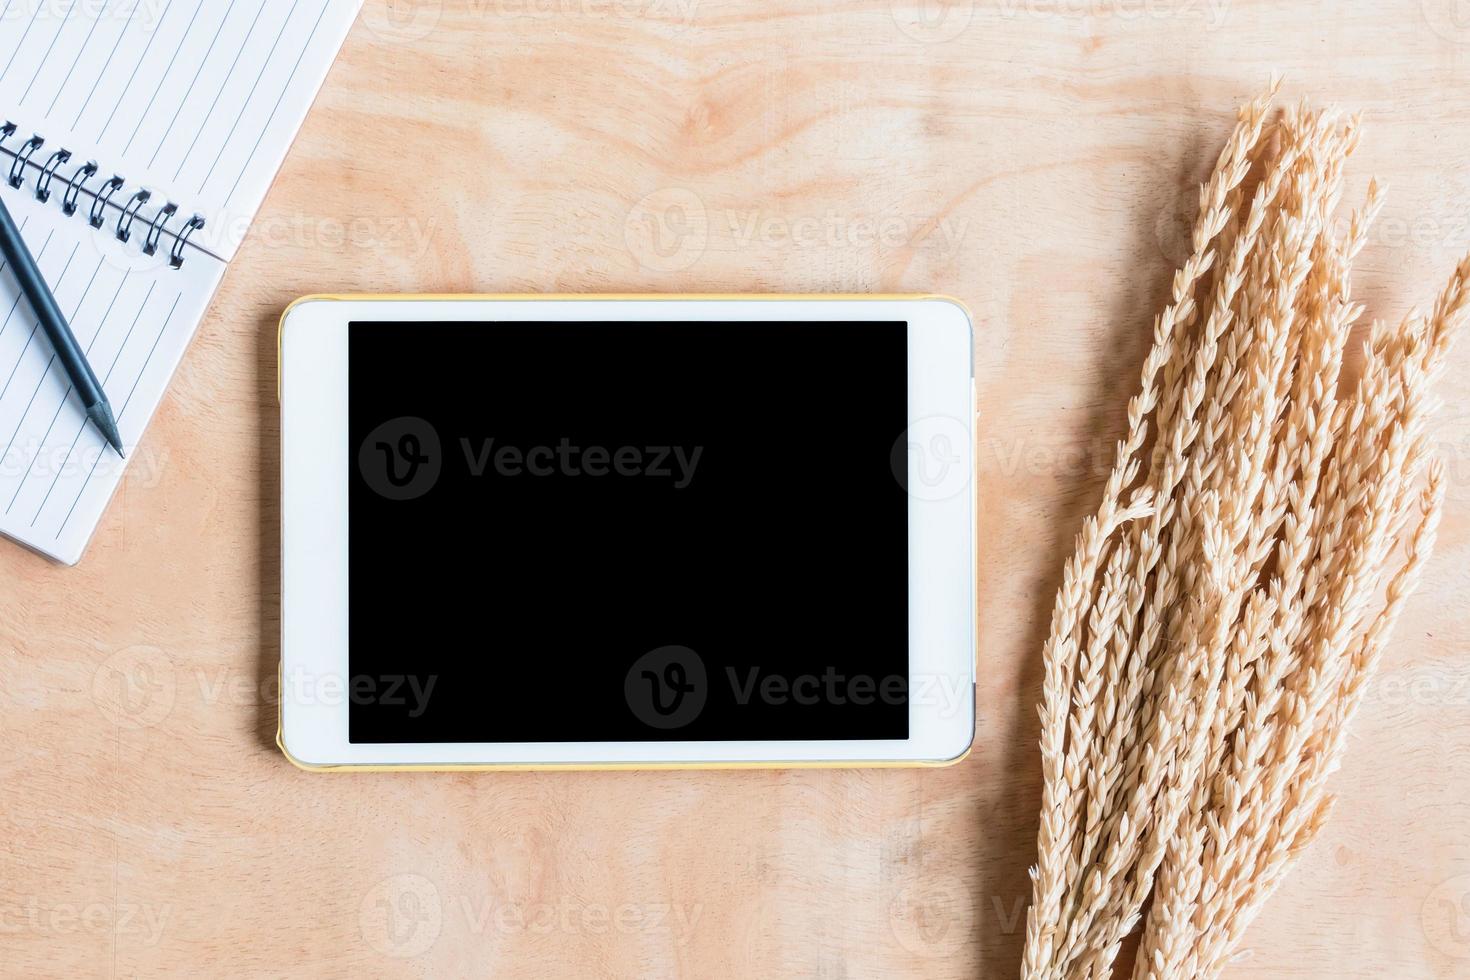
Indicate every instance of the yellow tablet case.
{"type": "Point", "coordinates": [595, 766]}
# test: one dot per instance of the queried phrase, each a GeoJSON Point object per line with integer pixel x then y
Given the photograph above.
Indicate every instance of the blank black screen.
{"type": "Point", "coordinates": [627, 532]}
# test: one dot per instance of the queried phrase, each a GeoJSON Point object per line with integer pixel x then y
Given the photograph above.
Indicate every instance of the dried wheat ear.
{"type": "Point", "coordinates": [1265, 518]}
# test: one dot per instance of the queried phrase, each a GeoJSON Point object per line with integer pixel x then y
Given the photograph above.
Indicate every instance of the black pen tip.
{"type": "Point", "coordinates": [101, 416]}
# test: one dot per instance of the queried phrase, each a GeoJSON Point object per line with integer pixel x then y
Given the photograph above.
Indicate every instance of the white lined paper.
{"type": "Point", "coordinates": [197, 102]}
{"type": "Point", "coordinates": [134, 317]}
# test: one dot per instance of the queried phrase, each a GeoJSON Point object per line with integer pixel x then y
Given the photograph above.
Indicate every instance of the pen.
{"type": "Point", "coordinates": [38, 294]}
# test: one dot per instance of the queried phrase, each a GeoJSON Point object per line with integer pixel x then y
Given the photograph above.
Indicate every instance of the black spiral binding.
{"type": "Point", "coordinates": [157, 225]}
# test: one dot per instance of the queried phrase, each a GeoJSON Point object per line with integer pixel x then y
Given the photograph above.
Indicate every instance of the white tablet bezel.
{"type": "Point", "coordinates": [316, 463]}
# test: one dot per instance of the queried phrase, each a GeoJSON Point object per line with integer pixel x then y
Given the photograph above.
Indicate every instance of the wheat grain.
{"type": "Point", "coordinates": [1221, 614]}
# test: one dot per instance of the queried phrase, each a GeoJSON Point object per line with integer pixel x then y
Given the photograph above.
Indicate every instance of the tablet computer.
{"type": "Point", "coordinates": [587, 531]}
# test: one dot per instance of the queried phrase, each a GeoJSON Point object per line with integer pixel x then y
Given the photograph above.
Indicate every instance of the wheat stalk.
{"type": "Point", "coordinates": [1258, 535]}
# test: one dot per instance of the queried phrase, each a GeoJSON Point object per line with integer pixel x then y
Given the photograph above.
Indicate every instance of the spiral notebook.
{"type": "Point", "coordinates": [139, 139]}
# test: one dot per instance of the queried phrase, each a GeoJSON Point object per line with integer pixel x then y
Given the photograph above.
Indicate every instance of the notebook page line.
{"type": "Point", "coordinates": [254, 86]}
{"type": "Point", "coordinates": [21, 43]}
{"type": "Point", "coordinates": [20, 359]}
{"type": "Point", "coordinates": [173, 59]}
{"type": "Point", "coordinates": [101, 72]}
{"type": "Point", "coordinates": [62, 401]}
{"type": "Point", "coordinates": [245, 166]}
{"type": "Point", "coordinates": [75, 61]}
{"type": "Point", "coordinates": [153, 36]}
{"type": "Point", "coordinates": [164, 97]}
{"type": "Point", "coordinates": [50, 363]}
{"type": "Point", "coordinates": [188, 90]}
{"type": "Point", "coordinates": [66, 18]}
{"type": "Point", "coordinates": [121, 412]}
{"type": "Point", "coordinates": [82, 425]}
{"type": "Point", "coordinates": [224, 82]}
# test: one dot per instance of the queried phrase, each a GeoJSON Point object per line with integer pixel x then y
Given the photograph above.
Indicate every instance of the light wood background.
{"type": "Point", "coordinates": [1034, 157]}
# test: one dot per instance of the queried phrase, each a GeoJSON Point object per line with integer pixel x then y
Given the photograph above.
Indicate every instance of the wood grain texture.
{"type": "Point", "coordinates": [1036, 158]}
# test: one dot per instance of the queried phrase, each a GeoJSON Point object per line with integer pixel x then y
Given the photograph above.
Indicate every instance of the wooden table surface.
{"type": "Point", "coordinates": [1036, 158]}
